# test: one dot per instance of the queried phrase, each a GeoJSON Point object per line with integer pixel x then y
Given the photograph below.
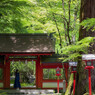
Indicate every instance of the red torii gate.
{"type": "Point", "coordinates": [21, 45]}
{"type": "Point", "coordinates": [52, 62]}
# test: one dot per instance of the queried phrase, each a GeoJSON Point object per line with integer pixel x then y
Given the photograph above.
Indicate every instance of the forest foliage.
{"type": "Point", "coordinates": [41, 16]}
{"type": "Point", "coordinates": [60, 17]}
{"type": "Point", "coordinates": [89, 24]}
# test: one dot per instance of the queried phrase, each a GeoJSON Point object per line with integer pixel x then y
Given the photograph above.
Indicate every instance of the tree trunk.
{"type": "Point", "coordinates": [69, 91]}
{"type": "Point", "coordinates": [87, 11]}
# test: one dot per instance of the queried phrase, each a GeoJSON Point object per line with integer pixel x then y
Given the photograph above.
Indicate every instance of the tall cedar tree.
{"type": "Point", "coordinates": [87, 11]}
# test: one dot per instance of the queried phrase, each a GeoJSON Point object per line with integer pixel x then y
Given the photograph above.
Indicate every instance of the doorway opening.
{"type": "Point", "coordinates": [27, 73]}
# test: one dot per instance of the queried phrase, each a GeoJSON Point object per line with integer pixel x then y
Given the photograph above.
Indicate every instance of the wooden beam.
{"type": "Point", "coordinates": [52, 65]}
{"type": "Point", "coordinates": [22, 59]}
{"type": "Point", "coordinates": [25, 54]}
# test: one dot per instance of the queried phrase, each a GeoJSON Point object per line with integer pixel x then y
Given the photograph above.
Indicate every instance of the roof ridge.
{"type": "Point", "coordinates": [24, 34]}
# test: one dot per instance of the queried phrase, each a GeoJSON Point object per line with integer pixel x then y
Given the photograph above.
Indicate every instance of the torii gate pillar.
{"type": "Point", "coordinates": [39, 73]}
{"type": "Point", "coordinates": [6, 72]}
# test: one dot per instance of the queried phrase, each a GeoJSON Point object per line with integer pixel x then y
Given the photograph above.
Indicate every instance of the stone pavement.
{"type": "Point", "coordinates": [27, 92]}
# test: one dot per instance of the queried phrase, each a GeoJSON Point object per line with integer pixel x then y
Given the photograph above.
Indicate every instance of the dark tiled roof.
{"type": "Point", "coordinates": [26, 43]}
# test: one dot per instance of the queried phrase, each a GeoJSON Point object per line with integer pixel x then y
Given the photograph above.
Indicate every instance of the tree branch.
{"type": "Point", "coordinates": [54, 19]}
{"type": "Point", "coordinates": [68, 24]}
{"type": "Point", "coordinates": [65, 29]}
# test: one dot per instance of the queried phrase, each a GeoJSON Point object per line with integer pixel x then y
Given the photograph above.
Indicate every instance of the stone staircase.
{"type": "Point", "coordinates": [27, 92]}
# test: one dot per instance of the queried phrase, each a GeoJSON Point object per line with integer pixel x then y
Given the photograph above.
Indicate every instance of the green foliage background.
{"type": "Point", "coordinates": [36, 16]}
{"type": "Point", "coordinates": [48, 16]}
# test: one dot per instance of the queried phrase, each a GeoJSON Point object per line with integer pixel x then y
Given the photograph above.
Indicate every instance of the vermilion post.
{"type": "Point", "coordinates": [89, 77]}
{"type": "Point", "coordinates": [6, 73]}
{"type": "Point", "coordinates": [74, 84]}
{"type": "Point", "coordinates": [58, 74]}
{"type": "Point", "coordinates": [39, 73]}
{"type": "Point", "coordinates": [58, 84]}
{"type": "Point", "coordinates": [89, 72]}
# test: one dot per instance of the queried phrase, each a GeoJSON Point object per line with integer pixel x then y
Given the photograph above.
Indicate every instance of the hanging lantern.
{"type": "Point", "coordinates": [89, 60]}
{"type": "Point", "coordinates": [89, 63]}
{"type": "Point", "coordinates": [73, 66]}
{"type": "Point", "coordinates": [74, 69]}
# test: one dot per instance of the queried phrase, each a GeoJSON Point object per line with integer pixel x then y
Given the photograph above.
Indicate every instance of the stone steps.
{"type": "Point", "coordinates": [27, 92]}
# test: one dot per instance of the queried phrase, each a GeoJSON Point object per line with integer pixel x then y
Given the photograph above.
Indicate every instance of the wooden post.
{"type": "Point", "coordinates": [74, 84]}
{"type": "Point", "coordinates": [36, 75]}
{"type": "Point", "coordinates": [89, 78]}
{"type": "Point", "coordinates": [39, 73]}
{"type": "Point", "coordinates": [57, 84]}
{"type": "Point", "coordinates": [6, 73]}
